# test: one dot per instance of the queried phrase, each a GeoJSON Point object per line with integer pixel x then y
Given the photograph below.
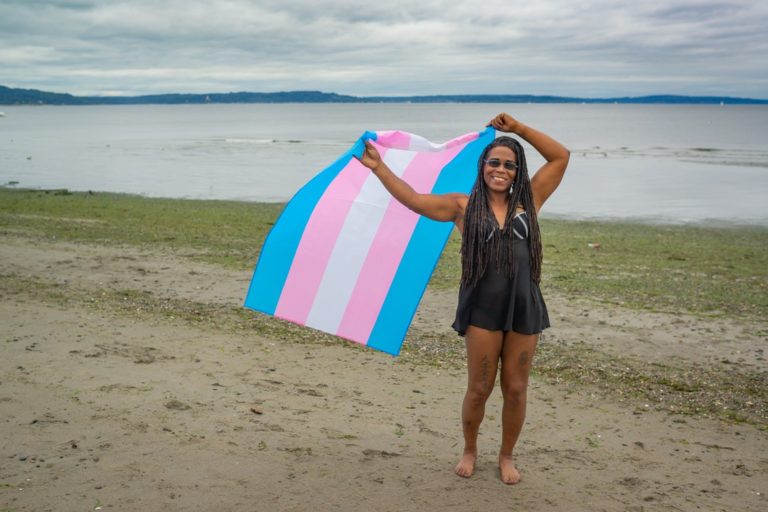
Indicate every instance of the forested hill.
{"type": "Point", "coordinates": [10, 96]}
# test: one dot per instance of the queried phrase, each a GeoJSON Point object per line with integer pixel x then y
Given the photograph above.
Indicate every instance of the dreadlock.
{"type": "Point", "coordinates": [479, 241]}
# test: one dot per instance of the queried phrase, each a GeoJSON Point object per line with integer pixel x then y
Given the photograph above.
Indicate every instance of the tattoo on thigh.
{"type": "Point", "coordinates": [523, 360]}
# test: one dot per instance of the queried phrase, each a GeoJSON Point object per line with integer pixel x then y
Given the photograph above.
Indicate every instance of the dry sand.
{"type": "Point", "coordinates": [106, 410]}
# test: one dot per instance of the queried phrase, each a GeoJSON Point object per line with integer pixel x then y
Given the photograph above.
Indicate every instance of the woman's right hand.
{"type": "Point", "coordinates": [439, 207]}
{"type": "Point", "coordinates": [371, 157]}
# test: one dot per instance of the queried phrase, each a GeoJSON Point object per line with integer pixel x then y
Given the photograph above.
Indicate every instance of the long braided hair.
{"type": "Point", "coordinates": [480, 238]}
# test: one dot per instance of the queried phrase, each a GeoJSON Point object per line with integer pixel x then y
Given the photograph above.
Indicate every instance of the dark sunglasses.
{"type": "Point", "coordinates": [495, 162]}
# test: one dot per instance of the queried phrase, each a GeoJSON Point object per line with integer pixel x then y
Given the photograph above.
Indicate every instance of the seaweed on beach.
{"type": "Point", "coordinates": [681, 388]}
{"type": "Point", "coordinates": [700, 271]}
{"type": "Point", "coordinates": [677, 269]}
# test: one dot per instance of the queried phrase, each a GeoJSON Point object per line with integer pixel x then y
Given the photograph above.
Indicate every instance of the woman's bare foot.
{"type": "Point", "coordinates": [466, 465]}
{"type": "Point", "coordinates": [509, 473]}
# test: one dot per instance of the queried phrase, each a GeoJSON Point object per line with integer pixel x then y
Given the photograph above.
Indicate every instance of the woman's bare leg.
{"type": "Point", "coordinates": [483, 351]}
{"type": "Point", "coordinates": [516, 358]}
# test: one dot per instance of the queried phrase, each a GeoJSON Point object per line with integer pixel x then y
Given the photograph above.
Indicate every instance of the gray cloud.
{"type": "Point", "coordinates": [589, 48]}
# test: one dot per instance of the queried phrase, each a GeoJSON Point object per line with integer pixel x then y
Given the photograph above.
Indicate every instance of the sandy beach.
{"type": "Point", "coordinates": [132, 407]}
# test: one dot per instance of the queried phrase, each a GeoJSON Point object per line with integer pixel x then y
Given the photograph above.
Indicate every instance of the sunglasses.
{"type": "Point", "coordinates": [495, 162]}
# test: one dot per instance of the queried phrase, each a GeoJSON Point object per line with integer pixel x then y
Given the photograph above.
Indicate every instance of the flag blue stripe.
{"type": "Point", "coordinates": [423, 252]}
{"type": "Point", "coordinates": [281, 243]}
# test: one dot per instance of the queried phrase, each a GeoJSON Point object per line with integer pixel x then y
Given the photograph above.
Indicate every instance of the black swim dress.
{"type": "Point", "coordinates": [501, 303]}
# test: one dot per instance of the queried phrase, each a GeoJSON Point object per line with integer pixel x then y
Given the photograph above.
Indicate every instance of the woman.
{"type": "Point", "coordinates": [501, 312]}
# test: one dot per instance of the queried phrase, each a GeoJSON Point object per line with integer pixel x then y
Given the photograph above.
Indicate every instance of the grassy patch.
{"type": "Point", "coordinates": [229, 233]}
{"type": "Point", "coordinates": [709, 271]}
{"type": "Point", "coordinates": [669, 268]}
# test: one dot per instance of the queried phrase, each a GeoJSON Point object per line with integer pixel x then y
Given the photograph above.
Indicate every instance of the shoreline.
{"type": "Point", "coordinates": [34, 97]}
{"type": "Point", "coordinates": [635, 220]}
{"type": "Point", "coordinates": [706, 271]}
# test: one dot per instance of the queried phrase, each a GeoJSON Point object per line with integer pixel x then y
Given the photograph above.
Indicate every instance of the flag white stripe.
{"type": "Point", "coordinates": [351, 248]}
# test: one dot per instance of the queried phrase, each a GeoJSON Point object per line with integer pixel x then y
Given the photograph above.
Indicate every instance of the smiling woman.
{"type": "Point", "coordinates": [501, 311]}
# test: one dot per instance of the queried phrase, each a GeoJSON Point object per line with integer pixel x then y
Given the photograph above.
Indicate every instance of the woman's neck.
{"type": "Point", "coordinates": [498, 199]}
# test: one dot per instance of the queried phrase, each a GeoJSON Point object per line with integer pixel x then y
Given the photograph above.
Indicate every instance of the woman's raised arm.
{"type": "Point", "coordinates": [548, 177]}
{"type": "Point", "coordinates": [440, 207]}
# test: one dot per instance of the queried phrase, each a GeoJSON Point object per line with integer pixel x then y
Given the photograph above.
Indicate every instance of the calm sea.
{"type": "Point", "coordinates": [656, 163]}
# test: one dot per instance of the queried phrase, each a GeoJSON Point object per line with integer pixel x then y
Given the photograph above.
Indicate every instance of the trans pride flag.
{"type": "Point", "coordinates": [348, 259]}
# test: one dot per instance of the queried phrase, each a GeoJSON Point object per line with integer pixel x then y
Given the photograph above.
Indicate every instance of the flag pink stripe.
{"type": "Point", "coordinates": [461, 141]}
{"type": "Point", "coordinates": [394, 139]}
{"type": "Point", "coordinates": [317, 243]}
{"type": "Point", "coordinates": [388, 247]}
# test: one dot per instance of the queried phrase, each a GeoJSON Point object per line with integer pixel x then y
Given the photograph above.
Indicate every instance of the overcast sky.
{"type": "Point", "coordinates": [589, 48]}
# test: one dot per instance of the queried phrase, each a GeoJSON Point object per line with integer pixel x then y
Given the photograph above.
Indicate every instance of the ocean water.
{"type": "Point", "coordinates": [653, 163]}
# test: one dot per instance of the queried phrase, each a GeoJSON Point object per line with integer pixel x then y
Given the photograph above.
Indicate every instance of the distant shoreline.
{"type": "Point", "coordinates": [11, 96]}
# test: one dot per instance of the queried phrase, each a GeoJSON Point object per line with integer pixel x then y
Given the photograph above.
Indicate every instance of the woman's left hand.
{"type": "Point", "coordinates": [371, 157]}
{"type": "Point", "coordinates": [505, 123]}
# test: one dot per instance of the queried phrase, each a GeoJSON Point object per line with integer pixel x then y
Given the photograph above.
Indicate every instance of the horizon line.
{"type": "Point", "coordinates": [327, 96]}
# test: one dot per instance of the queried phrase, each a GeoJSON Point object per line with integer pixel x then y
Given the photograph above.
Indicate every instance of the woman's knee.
{"type": "Point", "coordinates": [478, 393]}
{"type": "Point", "coordinates": [514, 390]}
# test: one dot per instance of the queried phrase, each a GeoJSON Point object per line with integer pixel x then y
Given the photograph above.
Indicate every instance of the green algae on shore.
{"type": "Point", "coordinates": [677, 269]}
{"type": "Point", "coordinates": [671, 268]}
